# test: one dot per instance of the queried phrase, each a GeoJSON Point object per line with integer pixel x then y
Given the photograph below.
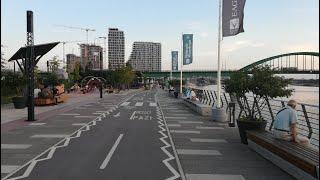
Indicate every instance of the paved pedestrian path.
{"type": "Point", "coordinates": [212, 151]}
{"type": "Point", "coordinates": [9, 113]}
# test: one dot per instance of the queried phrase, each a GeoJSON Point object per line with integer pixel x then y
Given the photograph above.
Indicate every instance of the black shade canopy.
{"type": "Point", "coordinates": [39, 50]}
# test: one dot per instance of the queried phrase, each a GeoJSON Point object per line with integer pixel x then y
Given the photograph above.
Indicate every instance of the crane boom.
{"type": "Point", "coordinates": [84, 29]}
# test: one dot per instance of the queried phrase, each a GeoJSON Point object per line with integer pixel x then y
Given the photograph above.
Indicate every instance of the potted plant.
{"type": "Point", "coordinates": [19, 101]}
{"type": "Point", "coordinates": [263, 85]}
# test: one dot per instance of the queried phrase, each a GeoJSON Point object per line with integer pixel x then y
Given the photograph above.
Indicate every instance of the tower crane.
{"type": "Point", "coordinates": [84, 29]}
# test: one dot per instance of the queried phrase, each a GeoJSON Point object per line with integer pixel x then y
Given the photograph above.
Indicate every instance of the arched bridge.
{"type": "Point", "coordinates": [289, 63]}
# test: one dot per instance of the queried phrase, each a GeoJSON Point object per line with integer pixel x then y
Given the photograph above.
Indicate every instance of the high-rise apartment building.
{"type": "Point", "coordinates": [72, 59]}
{"type": "Point", "coordinates": [116, 48]}
{"type": "Point", "coordinates": [146, 56]}
{"type": "Point", "coordinates": [91, 56]}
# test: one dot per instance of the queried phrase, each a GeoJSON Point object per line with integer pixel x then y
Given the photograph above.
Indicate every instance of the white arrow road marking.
{"type": "Point", "coordinates": [106, 161]}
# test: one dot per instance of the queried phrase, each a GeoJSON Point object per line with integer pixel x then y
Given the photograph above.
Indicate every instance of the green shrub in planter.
{"type": "Point", "coordinates": [264, 85]}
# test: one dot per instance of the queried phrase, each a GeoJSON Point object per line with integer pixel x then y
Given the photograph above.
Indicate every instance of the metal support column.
{"type": "Point", "coordinates": [30, 65]}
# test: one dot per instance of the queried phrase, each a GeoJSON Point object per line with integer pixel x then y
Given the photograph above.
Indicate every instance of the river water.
{"type": "Point", "coordinates": [302, 94]}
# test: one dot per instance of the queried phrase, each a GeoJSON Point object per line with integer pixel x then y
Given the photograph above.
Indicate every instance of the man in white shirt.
{"type": "Point", "coordinates": [36, 92]}
{"type": "Point", "coordinates": [285, 124]}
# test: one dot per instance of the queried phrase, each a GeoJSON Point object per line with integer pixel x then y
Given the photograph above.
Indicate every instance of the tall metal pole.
{"type": "Point", "coordinates": [105, 51]}
{"type": "Point", "coordinates": [64, 60]}
{"type": "Point", "coordinates": [30, 65]}
{"type": "Point", "coordinates": [181, 64]}
{"type": "Point", "coordinates": [87, 36]}
{"type": "Point", "coordinates": [219, 63]}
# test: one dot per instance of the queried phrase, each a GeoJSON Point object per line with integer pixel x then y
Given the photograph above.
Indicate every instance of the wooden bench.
{"type": "Point", "coordinates": [299, 161]}
{"type": "Point", "coordinates": [50, 101]}
{"type": "Point", "coordinates": [203, 109]}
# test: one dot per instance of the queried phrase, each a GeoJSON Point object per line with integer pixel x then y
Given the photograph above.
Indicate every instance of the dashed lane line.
{"type": "Point", "coordinates": [32, 163]}
{"type": "Point", "coordinates": [114, 147]}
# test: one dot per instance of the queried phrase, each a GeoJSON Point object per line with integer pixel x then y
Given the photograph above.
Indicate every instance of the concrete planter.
{"type": "Point", "coordinates": [244, 126]}
{"type": "Point", "coordinates": [219, 115]}
{"type": "Point", "coordinates": [19, 102]}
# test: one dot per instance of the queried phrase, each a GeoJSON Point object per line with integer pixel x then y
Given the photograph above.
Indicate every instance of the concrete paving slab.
{"type": "Point", "coordinates": [8, 168]}
{"type": "Point", "coordinates": [208, 127]}
{"type": "Point", "coordinates": [208, 140]}
{"type": "Point", "coordinates": [185, 131]}
{"type": "Point", "coordinates": [190, 122]}
{"type": "Point", "coordinates": [214, 177]}
{"type": "Point", "coordinates": [199, 152]}
{"type": "Point", "coordinates": [174, 125]}
{"type": "Point", "coordinates": [50, 136]}
{"type": "Point", "coordinates": [15, 146]}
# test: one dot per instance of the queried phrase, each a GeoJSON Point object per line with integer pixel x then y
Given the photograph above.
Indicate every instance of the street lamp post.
{"type": "Point", "coordinates": [105, 47]}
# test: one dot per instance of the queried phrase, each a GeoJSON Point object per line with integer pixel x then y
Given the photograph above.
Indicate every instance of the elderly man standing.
{"type": "Point", "coordinates": [285, 124]}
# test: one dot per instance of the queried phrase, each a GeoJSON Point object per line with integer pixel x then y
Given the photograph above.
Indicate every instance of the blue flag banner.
{"type": "Point", "coordinates": [232, 17]}
{"type": "Point", "coordinates": [174, 56]}
{"type": "Point", "coordinates": [187, 48]}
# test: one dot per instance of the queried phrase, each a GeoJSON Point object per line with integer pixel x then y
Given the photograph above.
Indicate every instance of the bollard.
{"type": "Point", "coordinates": [231, 106]}
{"type": "Point", "coordinates": [100, 89]}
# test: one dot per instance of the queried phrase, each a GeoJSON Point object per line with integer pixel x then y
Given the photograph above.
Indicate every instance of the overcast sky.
{"type": "Point", "coordinates": [271, 27]}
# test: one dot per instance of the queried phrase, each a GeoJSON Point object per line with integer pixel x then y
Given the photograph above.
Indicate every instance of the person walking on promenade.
{"type": "Point", "coordinates": [285, 125]}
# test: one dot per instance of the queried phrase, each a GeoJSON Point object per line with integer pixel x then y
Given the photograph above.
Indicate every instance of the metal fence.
{"type": "Point", "coordinates": [308, 115]}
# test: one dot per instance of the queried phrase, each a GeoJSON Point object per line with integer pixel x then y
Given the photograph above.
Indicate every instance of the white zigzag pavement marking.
{"type": "Point", "coordinates": [163, 148]}
{"type": "Point", "coordinates": [66, 143]}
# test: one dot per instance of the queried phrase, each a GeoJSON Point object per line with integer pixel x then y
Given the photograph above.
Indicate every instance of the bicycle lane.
{"type": "Point", "coordinates": [125, 145]}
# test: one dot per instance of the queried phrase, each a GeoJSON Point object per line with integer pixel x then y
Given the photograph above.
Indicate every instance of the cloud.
{"type": "Point", "coordinates": [242, 44]}
{"type": "Point", "coordinates": [301, 47]}
{"type": "Point", "coordinates": [194, 25]}
{"type": "Point", "coordinates": [198, 28]}
{"type": "Point", "coordinates": [206, 54]}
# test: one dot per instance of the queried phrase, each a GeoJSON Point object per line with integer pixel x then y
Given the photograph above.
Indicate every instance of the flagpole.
{"type": "Point", "coordinates": [181, 65]}
{"type": "Point", "coordinates": [219, 62]}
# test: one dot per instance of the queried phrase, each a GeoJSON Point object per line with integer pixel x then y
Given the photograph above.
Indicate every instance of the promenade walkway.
{"type": "Point", "coordinates": [209, 150]}
{"type": "Point", "coordinates": [127, 136]}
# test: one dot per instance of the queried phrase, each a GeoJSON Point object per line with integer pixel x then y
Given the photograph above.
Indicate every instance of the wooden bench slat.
{"type": "Point", "coordinates": [268, 135]}
{"type": "Point", "coordinates": [297, 148]}
{"type": "Point", "coordinates": [306, 162]}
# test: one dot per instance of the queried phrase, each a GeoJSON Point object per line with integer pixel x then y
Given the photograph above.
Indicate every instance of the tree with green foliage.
{"type": "Point", "coordinates": [122, 77]}
{"type": "Point", "coordinates": [54, 64]}
{"type": "Point", "coordinates": [262, 83]}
